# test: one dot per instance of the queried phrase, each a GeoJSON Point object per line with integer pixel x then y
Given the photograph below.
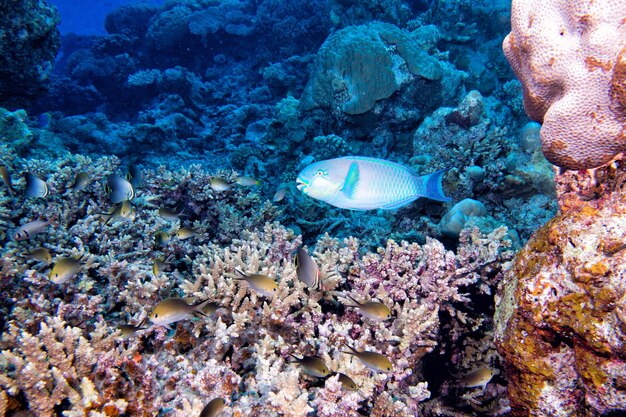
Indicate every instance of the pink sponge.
{"type": "Point", "coordinates": [570, 56]}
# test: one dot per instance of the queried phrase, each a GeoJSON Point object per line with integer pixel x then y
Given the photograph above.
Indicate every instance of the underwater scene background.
{"type": "Point", "coordinates": [162, 248]}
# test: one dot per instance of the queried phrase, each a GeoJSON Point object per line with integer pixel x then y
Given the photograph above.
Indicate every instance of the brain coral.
{"type": "Point", "coordinates": [570, 56]}
{"type": "Point", "coordinates": [359, 65]}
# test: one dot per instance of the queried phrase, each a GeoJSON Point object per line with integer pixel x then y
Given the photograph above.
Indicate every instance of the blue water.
{"type": "Point", "coordinates": [86, 17]}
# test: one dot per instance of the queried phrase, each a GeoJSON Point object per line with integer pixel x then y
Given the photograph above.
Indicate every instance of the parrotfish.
{"type": "Point", "coordinates": [35, 186]}
{"type": "Point", "coordinates": [362, 183]}
{"type": "Point", "coordinates": [374, 361]}
{"type": "Point", "coordinates": [213, 408]}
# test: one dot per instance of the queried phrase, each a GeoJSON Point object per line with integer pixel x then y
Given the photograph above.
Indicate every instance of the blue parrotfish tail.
{"type": "Point", "coordinates": [434, 185]}
{"type": "Point", "coordinates": [351, 185]}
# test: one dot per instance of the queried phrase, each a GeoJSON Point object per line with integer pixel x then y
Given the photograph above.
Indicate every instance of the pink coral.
{"type": "Point", "coordinates": [571, 59]}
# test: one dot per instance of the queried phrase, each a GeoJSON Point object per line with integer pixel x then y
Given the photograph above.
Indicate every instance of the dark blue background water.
{"type": "Point", "coordinates": [86, 17]}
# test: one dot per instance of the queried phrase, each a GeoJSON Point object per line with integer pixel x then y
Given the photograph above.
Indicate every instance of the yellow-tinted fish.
{"type": "Point", "coordinates": [219, 184]}
{"type": "Point", "coordinates": [247, 181]}
{"type": "Point", "coordinates": [161, 264]}
{"type": "Point", "coordinates": [6, 178]}
{"type": "Point", "coordinates": [306, 268]}
{"type": "Point", "coordinates": [40, 254]}
{"type": "Point", "coordinates": [171, 215]}
{"type": "Point", "coordinates": [31, 229]}
{"type": "Point", "coordinates": [124, 211]}
{"type": "Point", "coordinates": [35, 186]}
{"type": "Point", "coordinates": [185, 233]}
{"type": "Point", "coordinates": [80, 181]}
{"type": "Point", "coordinates": [64, 269]}
{"type": "Point", "coordinates": [261, 283]}
{"type": "Point", "coordinates": [478, 378]}
{"type": "Point", "coordinates": [313, 366]}
{"type": "Point", "coordinates": [118, 189]}
{"type": "Point", "coordinates": [172, 310]}
{"type": "Point", "coordinates": [161, 237]}
{"type": "Point", "coordinates": [280, 193]}
{"type": "Point", "coordinates": [372, 309]}
{"type": "Point", "coordinates": [134, 176]}
{"type": "Point", "coordinates": [346, 382]}
{"type": "Point", "coordinates": [128, 330]}
{"type": "Point", "coordinates": [374, 361]}
{"type": "Point", "coordinates": [213, 408]}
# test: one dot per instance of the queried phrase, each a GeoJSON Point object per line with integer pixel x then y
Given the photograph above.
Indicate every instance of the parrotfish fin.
{"type": "Point", "coordinates": [398, 204]}
{"type": "Point", "coordinates": [433, 186]}
{"type": "Point", "coordinates": [351, 186]}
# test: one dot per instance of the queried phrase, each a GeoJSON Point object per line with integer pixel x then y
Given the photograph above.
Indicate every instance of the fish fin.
{"type": "Point", "coordinates": [433, 186]}
{"type": "Point", "coordinates": [351, 185]}
{"type": "Point", "coordinates": [199, 307]}
{"type": "Point", "coordinates": [398, 204]}
{"type": "Point", "coordinates": [241, 276]}
{"type": "Point", "coordinates": [352, 351]}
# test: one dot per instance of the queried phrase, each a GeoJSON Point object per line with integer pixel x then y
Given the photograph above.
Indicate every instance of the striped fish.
{"type": "Point", "coordinates": [362, 183]}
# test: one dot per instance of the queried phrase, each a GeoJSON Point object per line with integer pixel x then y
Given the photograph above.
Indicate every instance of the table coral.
{"type": "Point", "coordinates": [568, 55]}
{"type": "Point", "coordinates": [359, 65]}
{"type": "Point", "coordinates": [560, 319]}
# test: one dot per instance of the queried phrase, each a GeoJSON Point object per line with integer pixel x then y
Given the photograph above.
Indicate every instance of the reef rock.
{"type": "Point", "coordinates": [568, 55]}
{"type": "Point", "coordinates": [561, 308]}
{"type": "Point", "coordinates": [29, 45]}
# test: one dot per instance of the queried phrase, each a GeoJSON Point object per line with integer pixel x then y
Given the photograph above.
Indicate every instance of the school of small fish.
{"type": "Point", "coordinates": [347, 190]}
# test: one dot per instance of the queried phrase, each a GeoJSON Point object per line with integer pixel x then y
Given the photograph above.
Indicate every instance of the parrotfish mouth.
{"type": "Point", "coordinates": [300, 184]}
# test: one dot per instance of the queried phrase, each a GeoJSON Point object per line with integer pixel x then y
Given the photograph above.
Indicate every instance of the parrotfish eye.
{"type": "Point", "coordinates": [320, 172]}
{"type": "Point", "coordinates": [156, 315]}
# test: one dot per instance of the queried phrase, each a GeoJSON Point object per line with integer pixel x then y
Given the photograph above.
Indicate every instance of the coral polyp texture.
{"type": "Point", "coordinates": [570, 57]}
{"type": "Point", "coordinates": [561, 316]}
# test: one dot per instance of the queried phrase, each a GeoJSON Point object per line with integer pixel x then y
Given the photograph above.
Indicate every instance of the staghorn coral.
{"type": "Point", "coordinates": [240, 353]}
{"type": "Point", "coordinates": [568, 55]}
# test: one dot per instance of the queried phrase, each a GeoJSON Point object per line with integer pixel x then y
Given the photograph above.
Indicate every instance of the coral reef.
{"type": "Point", "coordinates": [360, 65]}
{"type": "Point", "coordinates": [29, 44]}
{"type": "Point", "coordinates": [240, 353]}
{"type": "Point", "coordinates": [560, 319]}
{"type": "Point", "coordinates": [568, 55]}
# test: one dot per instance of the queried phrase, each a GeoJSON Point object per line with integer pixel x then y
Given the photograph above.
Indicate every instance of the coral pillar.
{"type": "Point", "coordinates": [561, 309]}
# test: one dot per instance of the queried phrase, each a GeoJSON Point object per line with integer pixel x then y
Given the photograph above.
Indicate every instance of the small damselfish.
{"type": "Point", "coordinates": [362, 183]}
